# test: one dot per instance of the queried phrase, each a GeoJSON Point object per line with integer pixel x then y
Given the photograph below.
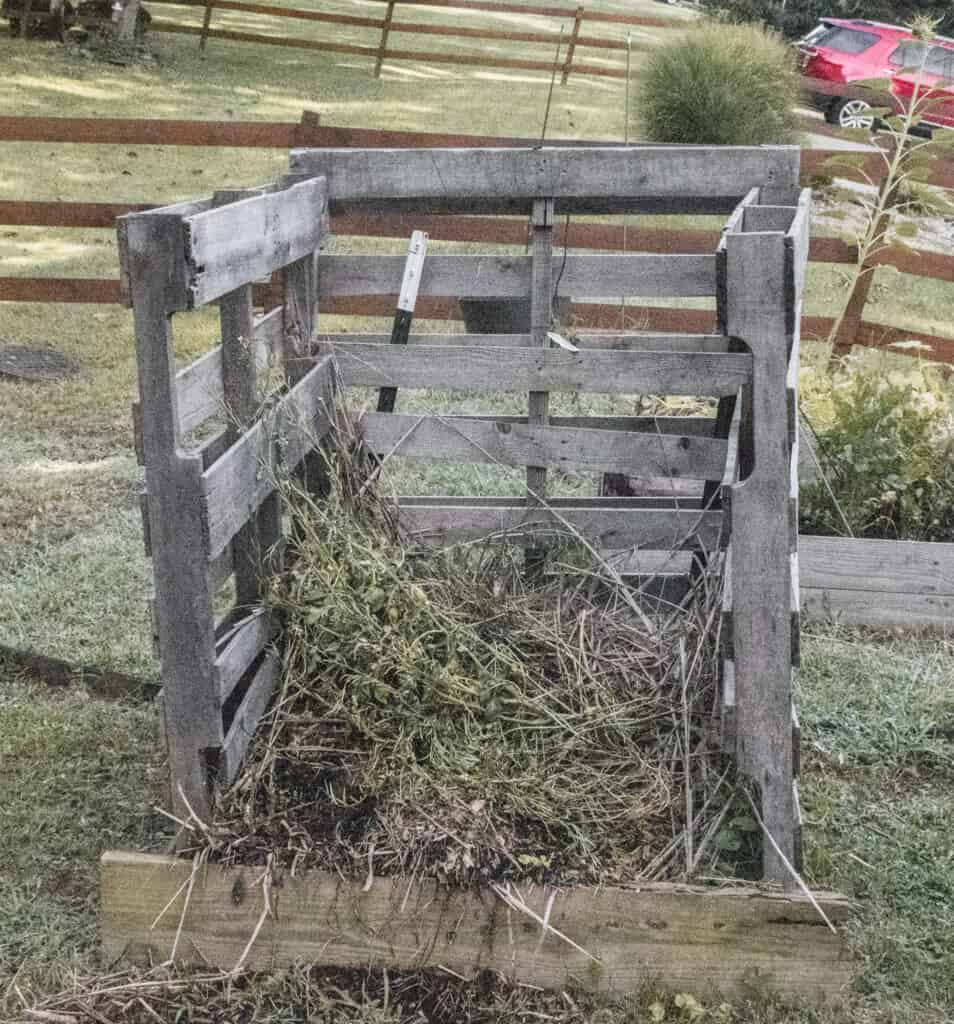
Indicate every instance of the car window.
{"type": "Point", "coordinates": [845, 40]}
{"type": "Point", "coordinates": [909, 54]}
{"type": "Point", "coordinates": [940, 62]}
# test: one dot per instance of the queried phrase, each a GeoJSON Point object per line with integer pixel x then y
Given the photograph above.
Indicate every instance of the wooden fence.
{"type": "Point", "coordinates": [378, 50]}
{"type": "Point", "coordinates": [310, 132]}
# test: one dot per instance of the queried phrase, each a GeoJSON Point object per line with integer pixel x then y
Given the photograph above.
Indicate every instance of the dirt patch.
{"type": "Point", "coordinates": [35, 364]}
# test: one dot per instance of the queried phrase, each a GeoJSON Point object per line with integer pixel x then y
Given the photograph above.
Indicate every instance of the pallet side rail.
{"type": "Point", "coordinates": [216, 500]}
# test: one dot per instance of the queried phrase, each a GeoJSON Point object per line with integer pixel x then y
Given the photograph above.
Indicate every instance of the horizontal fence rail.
{"type": "Point", "coordinates": [379, 50]}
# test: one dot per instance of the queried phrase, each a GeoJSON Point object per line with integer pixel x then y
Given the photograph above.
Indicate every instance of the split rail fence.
{"type": "Point", "coordinates": [213, 509]}
{"type": "Point", "coordinates": [566, 60]}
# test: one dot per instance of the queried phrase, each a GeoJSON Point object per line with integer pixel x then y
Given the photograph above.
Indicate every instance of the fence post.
{"type": "Point", "coordinates": [758, 288]}
{"type": "Point", "coordinates": [574, 36]}
{"type": "Point", "coordinates": [206, 22]}
{"type": "Point", "coordinates": [385, 32]}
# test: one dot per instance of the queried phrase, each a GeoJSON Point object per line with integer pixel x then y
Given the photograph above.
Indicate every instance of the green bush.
{"type": "Point", "coordinates": [730, 85]}
{"type": "Point", "coordinates": [886, 442]}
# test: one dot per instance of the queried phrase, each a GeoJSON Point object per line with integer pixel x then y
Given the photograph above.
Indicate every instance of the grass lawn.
{"type": "Point", "coordinates": [878, 793]}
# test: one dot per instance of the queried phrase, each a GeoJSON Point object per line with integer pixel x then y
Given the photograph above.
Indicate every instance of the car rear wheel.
{"type": "Point", "coordinates": [850, 114]}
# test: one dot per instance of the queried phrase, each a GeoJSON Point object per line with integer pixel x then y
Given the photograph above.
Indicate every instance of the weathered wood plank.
{"type": "Point", "coordinates": [574, 449]}
{"type": "Point", "coordinates": [756, 313]}
{"type": "Point", "coordinates": [579, 504]}
{"type": "Point", "coordinates": [239, 648]}
{"type": "Point", "coordinates": [585, 274]}
{"type": "Point", "coordinates": [767, 218]}
{"type": "Point", "coordinates": [612, 340]}
{"type": "Point", "coordinates": [512, 369]}
{"type": "Point", "coordinates": [235, 244]}
{"type": "Point", "coordinates": [247, 716]}
{"type": "Point", "coordinates": [237, 483]}
{"type": "Point", "coordinates": [690, 939]}
{"type": "Point", "coordinates": [879, 608]}
{"type": "Point", "coordinates": [607, 179]}
{"type": "Point", "coordinates": [877, 566]}
{"type": "Point", "coordinates": [613, 529]}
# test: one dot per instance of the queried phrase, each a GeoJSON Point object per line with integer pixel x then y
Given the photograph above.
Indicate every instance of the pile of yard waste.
{"type": "Point", "coordinates": [450, 714]}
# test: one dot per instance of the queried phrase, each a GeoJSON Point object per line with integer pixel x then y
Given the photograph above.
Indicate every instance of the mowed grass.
{"type": "Point", "coordinates": [877, 791]}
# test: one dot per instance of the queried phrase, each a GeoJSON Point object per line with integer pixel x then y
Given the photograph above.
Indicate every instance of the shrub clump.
{"type": "Point", "coordinates": [886, 446]}
{"type": "Point", "coordinates": [731, 85]}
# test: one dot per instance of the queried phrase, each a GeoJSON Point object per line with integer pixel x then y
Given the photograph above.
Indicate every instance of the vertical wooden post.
{"type": "Point", "coordinates": [407, 300]}
{"type": "Point", "coordinates": [541, 297]}
{"type": "Point", "coordinates": [574, 36]}
{"type": "Point", "coordinates": [206, 22]}
{"type": "Point", "coordinates": [25, 19]}
{"type": "Point", "coordinates": [757, 290]}
{"type": "Point", "coordinates": [177, 528]}
{"type": "Point", "coordinates": [385, 32]}
{"type": "Point", "coordinates": [126, 29]}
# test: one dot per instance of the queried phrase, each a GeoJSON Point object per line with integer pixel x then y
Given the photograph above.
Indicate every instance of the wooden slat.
{"type": "Point", "coordinates": [687, 939]}
{"type": "Point", "coordinates": [510, 369]}
{"type": "Point", "coordinates": [237, 483]}
{"type": "Point", "coordinates": [611, 340]}
{"type": "Point", "coordinates": [240, 648]}
{"type": "Point", "coordinates": [251, 238]}
{"type": "Point", "coordinates": [585, 274]}
{"type": "Point", "coordinates": [877, 566]}
{"type": "Point", "coordinates": [247, 717]}
{"type": "Point", "coordinates": [612, 529]}
{"type": "Point", "coordinates": [506, 502]}
{"type": "Point", "coordinates": [680, 179]}
{"type": "Point", "coordinates": [572, 449]}
{"type": "Point", "coordinates": [767, 218]}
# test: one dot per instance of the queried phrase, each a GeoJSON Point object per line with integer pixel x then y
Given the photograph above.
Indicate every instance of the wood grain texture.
{"type": "Point", "coordinates": [640, 274]}
{"type": "Point", "coordinates": [247, 716]}
{"type": "Point", "coordinates": [185, 623]}
{"type": "Point", "coordinates": [609, 528]}
{"type": "Point", "coordinates": [249, 239]}
{"type": "Point", "coordinates": [690, 939]}
{"type": "Point", "coordinates": [237, 483]}
{"type": "Point", "coordinates": [600, 179]}
{"type": "Point", "coordinates": [610, 340]}
{"type": "Point", "coordinates": [573, 449]}
{"type": "Point", "coordinates": [516, 369]}
{"type": "Point", "coordinates": [757, 293]}
{"type": "Point", "coordinates": [239, 648]}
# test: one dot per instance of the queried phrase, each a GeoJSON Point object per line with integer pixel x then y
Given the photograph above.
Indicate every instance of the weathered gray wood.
{"type": "Point", "coordinates": [760, 574]}
{"type": "Point", "coordinates": [767, 218]}
{"type": "Point", "coordinates": [607, 179]}
{"type": "Point", "coordinates": [241, 646]}
{"type": "Point", "coordinates": [877, 566]}
{"type": "Point", "coordinates": [247, 716]}
{"type": "Point", "coordinates": [878, 608]}
{"type": "Point", "coordinates": [193, 723]}
{"type": "Point", "coordinates": [611, 529]}
{"type": "Point", "coordinates": [237, 483]}
{"type": "Point", "coordinates": [249, 239]}
{"type": "Point", "coordinates": [241, 400]}
{"type": "Point", "coordinates": [572, 449]}
{"type": "Point", "coordinates": [541, 314]}
{"type": "Point", "coordinates": [688, 939]}
{"type": "Point", "coordinates": [584, 275]}
{"type": "Point", "coordinates": [510, 369]}
{"type": "Point", "coordinates": [614, 341]}
{"type": "Point", "coordinates": [600, 502]}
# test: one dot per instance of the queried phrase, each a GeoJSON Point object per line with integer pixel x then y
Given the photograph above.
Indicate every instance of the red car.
{"type": "Point", "coordinates": [842, 51]}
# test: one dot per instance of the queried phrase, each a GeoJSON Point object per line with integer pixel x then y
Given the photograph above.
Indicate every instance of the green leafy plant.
{"type": "Point", "coordinates": [886, 444]}
{"type": "Point", "coordinates": [729, 85]}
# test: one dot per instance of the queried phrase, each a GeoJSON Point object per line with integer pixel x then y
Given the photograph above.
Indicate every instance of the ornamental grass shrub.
{"type": "Point", "coordinates": [732, 85]}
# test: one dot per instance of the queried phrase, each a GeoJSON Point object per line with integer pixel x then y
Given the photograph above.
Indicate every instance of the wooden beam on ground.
{"type": "Point", "coordinates": [691, 939]}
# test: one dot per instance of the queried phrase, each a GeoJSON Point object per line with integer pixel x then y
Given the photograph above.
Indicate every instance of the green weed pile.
{"type": "Point", "coordinates": [440, 715]}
